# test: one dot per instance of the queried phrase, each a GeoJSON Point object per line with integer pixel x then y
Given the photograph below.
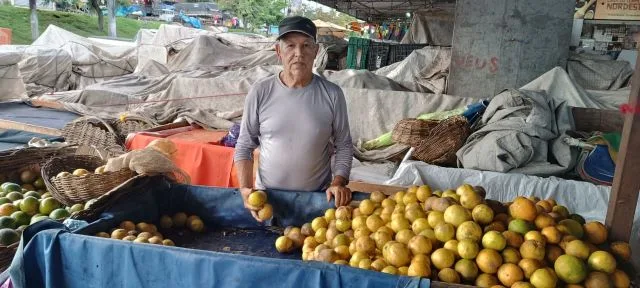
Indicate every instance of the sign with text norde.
{"type": "Point", "coordinates": [618, 10]}
{"type": "Point", "coordinates": [5, 36]}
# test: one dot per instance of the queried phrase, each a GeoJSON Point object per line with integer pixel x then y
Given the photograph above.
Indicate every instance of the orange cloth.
{"type": "Point", "coordinates": [206, 164]}
{"type": "Point", "coordinates": [200, 136]}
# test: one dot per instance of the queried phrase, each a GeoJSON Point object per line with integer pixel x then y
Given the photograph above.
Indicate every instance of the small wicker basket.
{"type": "Point", "coordinates": [412, 131]}
{"type": "Point", "coordinates": [131, 124]}
{"type": "Point", "coordinates": [439, 147]}
{"type": "Point", "coordinates": [93, 132]}
{"type": "Point", "coordinates": [71, 189]}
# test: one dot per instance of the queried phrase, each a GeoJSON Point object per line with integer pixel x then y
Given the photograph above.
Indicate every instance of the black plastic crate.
{"type": "Point", "coordinates": [398, 52]}
{"type": "Point", "coordinates": [378, 55]}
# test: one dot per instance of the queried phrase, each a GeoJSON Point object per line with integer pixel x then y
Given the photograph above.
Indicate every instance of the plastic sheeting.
{"type": "Point", "coordinates": [45, 248]}
{"type": "Point", "coordinates": [589, 200]}
{"type": "Point", "coordinates": [11, 139]}
{"type": "Point", "coordinates": [24, 113]}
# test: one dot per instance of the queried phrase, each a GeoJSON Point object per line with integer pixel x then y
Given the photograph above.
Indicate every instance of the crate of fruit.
{"type": "Point", "coordinates": [24, 198]}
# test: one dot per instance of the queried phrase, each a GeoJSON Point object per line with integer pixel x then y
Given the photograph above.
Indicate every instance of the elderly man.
{"type": "Point", "coordinates": [300, 122]}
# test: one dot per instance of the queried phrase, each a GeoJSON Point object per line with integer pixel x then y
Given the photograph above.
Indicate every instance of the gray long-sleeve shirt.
{"type": "Point", "coordinates": [298, 131]}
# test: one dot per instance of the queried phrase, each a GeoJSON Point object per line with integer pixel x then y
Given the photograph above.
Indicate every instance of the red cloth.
{"type": "Point", "coordinates": [206, 164]}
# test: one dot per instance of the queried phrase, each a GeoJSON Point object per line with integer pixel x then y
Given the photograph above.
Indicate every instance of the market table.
{"type": "Point", "coordinates": [199, 154]}
{"type": "Point", "coordinates": [19, 122]}
{"type": "Point", "coordinates": [47, 247]}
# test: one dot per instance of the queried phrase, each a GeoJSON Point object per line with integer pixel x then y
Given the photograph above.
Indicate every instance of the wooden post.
{"type": "Point", "coordinates": [111, 7]}
{"type": "Point", "coordinates": [33, 6]}
{"type": "Point", "coordinates": [626, 182]}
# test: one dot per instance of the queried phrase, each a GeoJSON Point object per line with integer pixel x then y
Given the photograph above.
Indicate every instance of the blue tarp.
{"type": "Point", "coordinates": [52, 256]}
{"type": "Point", "coordinates": [23, 113]}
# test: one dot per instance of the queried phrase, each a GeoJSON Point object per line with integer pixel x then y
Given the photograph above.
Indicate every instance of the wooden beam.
{"type": "Point", "coordinates": [626, 182]}
{"type": "Point", "coordinates": [368, 188]}
{"type": "Point", "coordinates": [47, 104]}
{"type": "Point", "coordinates": [12, 125]}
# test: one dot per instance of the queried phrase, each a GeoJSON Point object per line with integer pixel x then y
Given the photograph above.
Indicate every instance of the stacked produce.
{"type": "Point", "coordinates": [148, 233]}
{"type": "Point", "coordinates": [457, 236]}
{"type": "Point", "coordinates": [26, 203]}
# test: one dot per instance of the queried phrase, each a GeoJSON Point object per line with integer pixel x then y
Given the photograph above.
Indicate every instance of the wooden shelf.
{"type": "Point", "coordinates": [612, 22]}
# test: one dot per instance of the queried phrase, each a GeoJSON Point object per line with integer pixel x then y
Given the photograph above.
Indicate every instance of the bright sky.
{"type": "Point", "coordinates": [317, 5]}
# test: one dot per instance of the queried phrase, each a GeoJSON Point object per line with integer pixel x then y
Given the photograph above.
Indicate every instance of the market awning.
{"type": "Point", "coordinates": [373, 10]}
{"type": "Point", "coordinates": [329, 26]}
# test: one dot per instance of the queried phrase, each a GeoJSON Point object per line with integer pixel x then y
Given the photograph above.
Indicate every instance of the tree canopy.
{"type": "Point", "coordinates": [256, 12]}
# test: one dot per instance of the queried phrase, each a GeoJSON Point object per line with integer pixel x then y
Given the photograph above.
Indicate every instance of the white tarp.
{"type": "Point", "coordinates": [584, 198]}
{"type": "Point", "coordinates": [93, 61]}
{"type": "Point", "coordinates": [10, 79]}
{"type": "Point", "coordinates": [591, 72]}
{"type": "Point", "coordinates": [557, 84]}
{"type": "Point", "coordinates": [424, 70]}
{"type": "Point", "coordinates": [520, 131]}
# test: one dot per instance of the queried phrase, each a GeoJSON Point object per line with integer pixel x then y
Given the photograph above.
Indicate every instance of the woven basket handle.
{"type": "Point", "coordinates": [139, 118]}
{"type": "Point", "coordinates": [111, 130]}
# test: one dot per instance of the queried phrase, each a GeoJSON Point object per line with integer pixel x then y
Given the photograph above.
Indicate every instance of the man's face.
{"type": "Point", "coordinates": [297, 52]}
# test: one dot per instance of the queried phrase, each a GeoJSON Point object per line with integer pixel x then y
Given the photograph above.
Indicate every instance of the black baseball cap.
{"type": "Point", "coordinates": [297, 24]}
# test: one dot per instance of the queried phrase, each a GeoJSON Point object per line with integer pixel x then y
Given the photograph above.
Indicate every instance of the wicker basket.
{"type": "Point", "coordinates": [439, 147]}
{"type": "Point", "coordinates": [131, 124]}
{"type": "Point", "coordinates": [93, 132]}
{"type": "Point", "coordinates": [6, 255]}
{"type": "Point", "coordinates": [71, 189]}
{"type": "Point", "coordinates": [108, 199]}
{"type": "Point", "coordinates": [412, 131]}
{"type": "Point", "coordinates": [12, 163]}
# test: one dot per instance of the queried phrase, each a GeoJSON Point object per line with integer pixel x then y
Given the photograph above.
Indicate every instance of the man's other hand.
{"type": "Point", "coordinates": [254, 210]}
{"type": "Point", "coordinates": [341, 193]}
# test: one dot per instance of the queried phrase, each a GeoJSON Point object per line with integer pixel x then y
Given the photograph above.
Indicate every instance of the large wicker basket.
{"type": "Point", "coordinates": [439, 147]}
{"type": "Point", "coordinates": [108, 199]}
{"type": "Point", "coordinates": [93, 132]}
{"type": "Point", "coordinates": [6, 255]}
{"type": "Point", "coordinates": [72, 189]}
{"type": "Point", "coordinates": [12, 163]}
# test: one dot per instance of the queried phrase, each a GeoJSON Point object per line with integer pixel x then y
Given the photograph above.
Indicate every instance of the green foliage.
{"type": "Point", "coordinates": [256, 13]}
{"type": "Point", "coordinates": [332, 15]}
{"type": "Point", "coordinates": [17, 19]}
{"type": "Point", "coordinates": [124, 3]}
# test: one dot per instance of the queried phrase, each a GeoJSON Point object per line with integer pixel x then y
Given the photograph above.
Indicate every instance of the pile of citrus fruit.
{"type": "Point", "coordinates": [148, 233]}
{"type": "Point", "coordinates": [28, 203]}
{"type": "Point", "coordinates": [457, 236]}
